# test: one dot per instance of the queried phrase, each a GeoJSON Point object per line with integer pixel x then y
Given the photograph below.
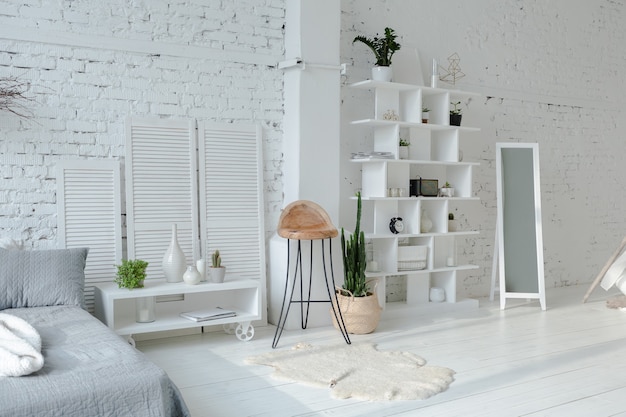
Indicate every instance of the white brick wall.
{"type": "Point", "coordinates": [92, 63]}
{"type": "Point", "coordinates": [550, 72]}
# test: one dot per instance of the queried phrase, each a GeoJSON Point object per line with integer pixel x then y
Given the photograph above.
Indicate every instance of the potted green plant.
{"type": "Point", "coordinates": [216, 269]}
{"type": "Point", "coordinates": [447, 190]}
{"type": "Point", "coordinates": [455, 114]}
{"type": "Point", "coordinates": [451, 223]}
{"type": "Point", "coordinates": [404, 149]}
{"type": "Point", "coordinates": [131, 273]}
{"type": "Point", "coordinates": [425, 114]}
{"type": "Point", "coordinates": [383, 48]}
{"type": "Point", "coordinates": [356, 301]}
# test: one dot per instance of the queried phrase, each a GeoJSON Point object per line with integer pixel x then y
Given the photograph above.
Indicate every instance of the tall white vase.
{"type": "Point", "coordinates": [174, 262]}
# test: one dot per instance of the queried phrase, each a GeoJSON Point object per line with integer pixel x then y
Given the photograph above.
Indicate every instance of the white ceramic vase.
{"type": "Point", "coordinates": [192, 276]}
{"type": "Point", "coordinates": [174, 262]}
{"type": "Point", "coordinates": [382, 74]}
{"type": "Point", "coordinates": [201, 267]}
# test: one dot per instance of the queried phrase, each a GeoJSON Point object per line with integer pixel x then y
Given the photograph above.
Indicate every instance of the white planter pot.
{"type": "Point", "coordinates": [446, 192]}
{"type": "Point", "coordinates": [404, 152]}
{"type": "Point", "coordinates": [217, 274]}
{"type": "Point", "coordinates": [382, 74]}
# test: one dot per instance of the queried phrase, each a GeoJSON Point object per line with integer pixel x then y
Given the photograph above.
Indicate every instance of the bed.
{"type": "Point", "coordinates": [88, 370]}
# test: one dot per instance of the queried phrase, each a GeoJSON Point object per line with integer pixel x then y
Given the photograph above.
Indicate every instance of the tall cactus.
{"type": "Point", "coordinates": [216, 259]}
{"type": "Point", "coordinates": [353, 251]}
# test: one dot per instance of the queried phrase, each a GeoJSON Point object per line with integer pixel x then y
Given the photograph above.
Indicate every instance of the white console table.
{"type": "Point", "coordinates": [115, 306]}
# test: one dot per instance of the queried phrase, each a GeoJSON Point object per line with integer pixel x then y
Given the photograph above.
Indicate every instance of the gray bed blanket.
{"type": "Point", "coordinates": [88, 371]}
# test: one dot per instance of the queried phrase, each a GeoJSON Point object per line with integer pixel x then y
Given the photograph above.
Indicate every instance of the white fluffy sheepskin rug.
{"type": "Point", "coordinates": [358, 371]}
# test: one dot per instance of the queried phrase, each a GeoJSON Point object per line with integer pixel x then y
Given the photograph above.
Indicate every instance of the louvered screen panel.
{"type": "Point", "coordinates": [89, 215]}
{"type": "Point", "coordinates": [161, 189]}
{"type": "Point", "coordinates": [231, 196]}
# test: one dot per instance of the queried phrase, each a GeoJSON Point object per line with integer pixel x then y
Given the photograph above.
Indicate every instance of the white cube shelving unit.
{"type": "Point", "coordinates": [433, 154]}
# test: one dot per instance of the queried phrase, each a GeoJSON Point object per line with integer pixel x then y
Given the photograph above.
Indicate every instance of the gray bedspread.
{"type": "Point", "coordinates": [88, 371]}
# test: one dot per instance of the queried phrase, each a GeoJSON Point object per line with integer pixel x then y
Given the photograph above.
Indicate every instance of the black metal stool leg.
{"type": "Point", "coordinates": [282, 319]}
{"type": "Point", "coordinates": [332, 295]}
{"type": "Point", "coordinates": [305, 318]}
{"type": "Point", "coordinates": [298, 272]}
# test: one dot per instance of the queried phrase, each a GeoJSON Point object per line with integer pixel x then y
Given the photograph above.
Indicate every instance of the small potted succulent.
{"type": "Point", "coordinates": [451, 223]}
{"type": "Point", "coordinates": [216, 269]}
{"type": "Point", "coordinates": [131, 273]}
{"type": "Point", "coordinates": [447, 190]}
{"type": "Point", "coordinates": [404, 149]}
{"type": "Point", "coordinates": [455, 114]}
{"type": "Point", "coordinates": [425, 114]}
{"type": "Point", "coordinates": [383, 48]}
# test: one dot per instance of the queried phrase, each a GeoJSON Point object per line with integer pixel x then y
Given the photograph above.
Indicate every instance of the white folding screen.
{"type": "Point", "coordinates": [231, 196]}
{"type": "Point", "coordinates": [161, 189]}
{"type": "Point", "coordinates": [89, 215]}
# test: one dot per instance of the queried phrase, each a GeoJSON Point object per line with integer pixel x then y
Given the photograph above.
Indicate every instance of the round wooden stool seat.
{"type": "Point", "coordinates": [305, 220]}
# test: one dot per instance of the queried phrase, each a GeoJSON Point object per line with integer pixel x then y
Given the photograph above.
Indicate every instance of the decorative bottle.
{"type": "Point", "coordinates": [192, 276]}
{"type": "Point", "coordinates": [174, 262]}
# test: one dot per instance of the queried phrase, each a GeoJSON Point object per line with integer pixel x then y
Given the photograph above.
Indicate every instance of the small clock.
{"type": "Point", "coordinates": [396, 225]}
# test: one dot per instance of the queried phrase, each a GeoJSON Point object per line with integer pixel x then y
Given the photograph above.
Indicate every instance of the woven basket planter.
{"type": "Point", "coordinates": [360, 314]}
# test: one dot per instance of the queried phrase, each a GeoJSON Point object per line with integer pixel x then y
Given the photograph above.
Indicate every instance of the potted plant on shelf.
{"type": "Point", "coordinates": [447, 190]}
{"type": "Point", "coordinates": [425, 114]}
{"type": "Point", "coordinates": [451, 223]}
{"type": "Point", "coordinates": [217, 270]}
{"type": "Point", "coordinates": [131, 273]}
{"type": "Point", "coordinates": [356, 301]}
{"type": "Point", "coordinates": [383, 48]}
{"type": "Point", "coordinates": [455, 114]}
{"type": "Point", "coordinates": [404, 149]}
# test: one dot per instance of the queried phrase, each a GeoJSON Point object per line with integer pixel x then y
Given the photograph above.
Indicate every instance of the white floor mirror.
{"type": "Point", "coordinates": [519, 238]}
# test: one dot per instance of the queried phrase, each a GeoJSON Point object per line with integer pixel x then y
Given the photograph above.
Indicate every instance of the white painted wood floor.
{"type": "Point", "coordinates": [567, 361]}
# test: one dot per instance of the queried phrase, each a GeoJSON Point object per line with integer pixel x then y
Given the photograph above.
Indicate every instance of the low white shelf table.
{"type": "Point", "coordinates": [115, 306]}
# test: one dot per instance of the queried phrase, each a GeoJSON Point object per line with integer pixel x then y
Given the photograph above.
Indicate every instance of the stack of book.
{"type": "Point", "coordinates": [372, 155]}
{"type": "Point", "coordinates": [208, 314]}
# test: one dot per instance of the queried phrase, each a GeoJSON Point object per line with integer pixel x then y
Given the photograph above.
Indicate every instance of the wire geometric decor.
{"type": "Point", "coordinates": [453, 72]}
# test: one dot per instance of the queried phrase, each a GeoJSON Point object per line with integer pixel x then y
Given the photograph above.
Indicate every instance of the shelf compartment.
{"type": "Point", "coordinates": [411, 106]}
{"type": "Point", "coordinates": [417, 288]}
{"type": "Point", "coordinates": [447, 281]}
{"type": "Point", "coordinates": [412, 258]}
{"type": "Point", "coordinates": [437, 211]}
{"type": "Point", "coordinates": [444, 146]}
{"type": "Point", "coordinates": [387, 138]}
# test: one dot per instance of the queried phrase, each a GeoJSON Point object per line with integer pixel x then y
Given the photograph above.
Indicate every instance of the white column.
{"type": "Point", "coordinates": [312, 94]}
{"type": "Point", "coordinates": [311, 138]}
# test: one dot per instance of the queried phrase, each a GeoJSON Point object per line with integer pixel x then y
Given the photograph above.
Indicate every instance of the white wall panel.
{"type": "Point", "coordinates": [161, 189]}
{"type": "Point", "coordinates": [89, 215]}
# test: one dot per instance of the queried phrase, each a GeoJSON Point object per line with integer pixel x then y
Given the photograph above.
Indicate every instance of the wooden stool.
{"type": "Point", "coordinates": [306, 220]}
